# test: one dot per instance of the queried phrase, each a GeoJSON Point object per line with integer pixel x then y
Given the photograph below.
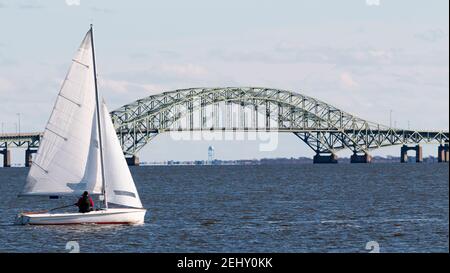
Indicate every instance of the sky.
{"type": "Point", "coordinates": [366, 57]}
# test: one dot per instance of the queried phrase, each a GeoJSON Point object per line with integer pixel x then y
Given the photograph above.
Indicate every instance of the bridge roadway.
{"type": "Point", "coordinates": [30, 141]}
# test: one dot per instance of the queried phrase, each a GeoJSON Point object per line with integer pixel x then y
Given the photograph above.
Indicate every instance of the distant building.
{"type": "Point", "coordinates": [210, 154]}
{"type": "Point", "coordinates": [198, 162]}
{"type": "Point", "coordinates": [280, 161]}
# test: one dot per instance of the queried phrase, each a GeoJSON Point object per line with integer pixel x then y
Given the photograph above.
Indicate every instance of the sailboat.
{"type": "Point", "coordinates": [80, 151]}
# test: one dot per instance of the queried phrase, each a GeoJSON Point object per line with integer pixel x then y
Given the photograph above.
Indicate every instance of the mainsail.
{"type": "Point", "coordinates": [61, 166]}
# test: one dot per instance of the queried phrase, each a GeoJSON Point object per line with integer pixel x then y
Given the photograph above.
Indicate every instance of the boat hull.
{"type": "Point", "coordinates": [109, 216]}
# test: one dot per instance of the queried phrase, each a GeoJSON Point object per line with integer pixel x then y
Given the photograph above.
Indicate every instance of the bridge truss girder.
{"type": "Point", "coordinates": [323, 127]}
{"type": "Point", "coordinates": [30, 141]}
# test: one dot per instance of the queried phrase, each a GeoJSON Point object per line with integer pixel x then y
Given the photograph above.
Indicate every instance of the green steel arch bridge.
{"type": "Point", "coordinates": [323, 127]}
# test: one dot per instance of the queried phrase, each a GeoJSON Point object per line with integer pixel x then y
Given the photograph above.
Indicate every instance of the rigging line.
{"type": "Point", "coordinates": [34, 163]}
{"type": "Point", "coordinates": [72, 101]}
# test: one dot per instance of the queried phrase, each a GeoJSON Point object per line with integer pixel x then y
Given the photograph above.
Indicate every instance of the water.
{"type": "Point", "coordinates": [279, 208]}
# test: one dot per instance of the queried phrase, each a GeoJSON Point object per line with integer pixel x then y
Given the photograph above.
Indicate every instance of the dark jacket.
{"type": "Point", "coordinates": [85, 204]}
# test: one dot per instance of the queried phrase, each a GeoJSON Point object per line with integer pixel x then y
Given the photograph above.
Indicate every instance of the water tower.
{"type": "Point", "coordinates": [210, 154]}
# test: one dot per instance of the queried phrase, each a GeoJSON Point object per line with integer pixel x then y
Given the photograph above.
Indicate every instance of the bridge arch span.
{"type": "Point", "coordinates": [323, 127]}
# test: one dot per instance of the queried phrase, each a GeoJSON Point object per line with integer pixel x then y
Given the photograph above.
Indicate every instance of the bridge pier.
{"type": "Point", "coordinates": [443, 153]}
{"type": "Point", "coordinates": [404, 153]}
{"type": "Point", "coordinates": [6, 158]}
{"type": "Point", "coordinates": [365, 158]}
{"type": "Point", "coordinates": [28, 157]}
{"type": "Point", "coordinates": [325, 159]}
{"type": "Point", "coordinates": [132, 161]}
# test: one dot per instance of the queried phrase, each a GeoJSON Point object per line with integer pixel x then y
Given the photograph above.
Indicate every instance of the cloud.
{"type": "Point", "coordinates": [431, 35]}
{"type": "Point", "coordinates": [184, 70]}
{"type": "Point", "coordinates": [5, 85]}
{"type": "Point", "coordinates": [363, 56]}
{"type": "Point", "coordinates": [31, 4]}
{"type": "Point", "coordinates": [121, 86]}
{"type": "Point", "coordinates": [290, 53]}
{"type": "Point", "coordinates": [347, 81]}
{"type": "Point", "coordinates": [7, 62]}
{"type": "Point", "coordinates": [7, 88]}
{"type": "Point", "coordinates": [373, 2]}
{"type": "Point", "coordinates": [115, 86]}
{"type": "Point", "coordinates": [120, 92]}
{"type": "Point", "coordinates": [154, 55]}
{"type": "Point", "coordinates": [102, 10]}
{"type": "Point", "coordinates": [164, 74]}
{"type": "Point", "coordinates": [73, 2]}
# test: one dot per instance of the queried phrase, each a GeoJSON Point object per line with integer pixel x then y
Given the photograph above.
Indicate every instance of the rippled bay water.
{"type": "Point", "coordinates": [278, 208]}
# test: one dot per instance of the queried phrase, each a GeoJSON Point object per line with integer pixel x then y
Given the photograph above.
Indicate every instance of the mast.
{"type": "Point", "coordinates": [97, 103]}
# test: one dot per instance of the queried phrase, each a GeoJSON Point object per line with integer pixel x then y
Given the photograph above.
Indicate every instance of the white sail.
{"type": "Point", "coordinates": [92, 180]}
{"type": "Point", "coordinates": [61, 166]}
{"type": "Point", "coordinates": [120, 187]}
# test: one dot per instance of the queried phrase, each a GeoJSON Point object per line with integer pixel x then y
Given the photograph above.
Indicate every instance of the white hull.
{"type": "Point", "coordinates": [107, 216]}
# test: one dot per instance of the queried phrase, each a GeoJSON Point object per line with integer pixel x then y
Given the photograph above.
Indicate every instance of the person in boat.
{"type": "Point", "coordinates": [85, 203]}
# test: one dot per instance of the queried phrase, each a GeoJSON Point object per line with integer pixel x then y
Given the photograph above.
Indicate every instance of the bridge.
{"type": "Point", "coordinates": [30, 141]}
{"type": "Point", "coordinates": [323, 127]}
